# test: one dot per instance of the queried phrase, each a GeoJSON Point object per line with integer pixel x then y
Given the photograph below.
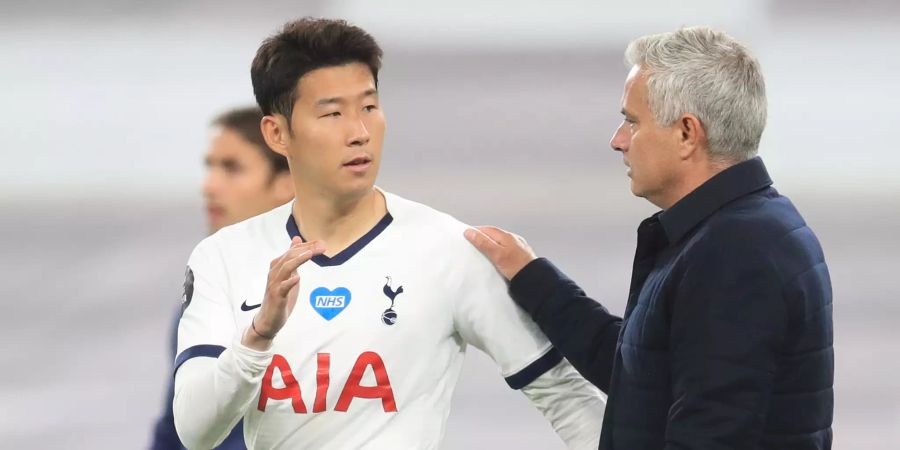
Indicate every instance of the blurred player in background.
{"type": "Point", "coordinates": [244, 178]}
{"type": "Point", "coordinates": [365, 350]}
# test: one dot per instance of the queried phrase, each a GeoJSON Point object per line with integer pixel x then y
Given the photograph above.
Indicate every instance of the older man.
{"type": "Point", "coordinates": [726, 342]}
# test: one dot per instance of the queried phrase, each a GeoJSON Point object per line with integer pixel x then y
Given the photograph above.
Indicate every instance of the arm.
{"type": "Point", "coordinates": [212, 395]}
{"type": "Point", "coordinates": [579, 327]}
{"type": "Point", "coordinates": [582, 329]}
{"type": "Point", "coordinates": [487, 318]}
{"type": "Point", "coordinates": [216, 378]}
{"type": "Point", "coordinates": [573, 406]}
{"type": "Point", "coordinates": [728, 322]}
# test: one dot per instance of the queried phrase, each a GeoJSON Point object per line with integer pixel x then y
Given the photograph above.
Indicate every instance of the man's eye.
{"type": "Point", "coordinates": [370, 108]}
{"type": "Point", "coordinates": [231, 168]}
{"type": "Point", "coordinates": [334, 114]}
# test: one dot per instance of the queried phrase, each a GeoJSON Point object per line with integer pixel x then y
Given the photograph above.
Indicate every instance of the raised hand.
{"type": "Point", "coordinates": [281, 294]}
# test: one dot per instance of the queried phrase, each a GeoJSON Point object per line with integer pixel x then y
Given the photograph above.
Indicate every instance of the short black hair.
{"type": "Point", "coordinates": [300, 47]}
{"type": "Point", "coordinates": [245, 121]}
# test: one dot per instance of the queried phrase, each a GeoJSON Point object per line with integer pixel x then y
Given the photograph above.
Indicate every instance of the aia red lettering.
{"type": "Point", "coordinates": [291, 389]}
{"type": "Point", "coordinates": [352, 389]}
{"type": "Point", "coordinates": [382, 389]}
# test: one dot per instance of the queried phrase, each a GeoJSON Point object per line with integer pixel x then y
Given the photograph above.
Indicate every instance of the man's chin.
{"type": "Point", "coordinates": [215, 225]}
{"type": "Point", "coordinates": [358, 188]}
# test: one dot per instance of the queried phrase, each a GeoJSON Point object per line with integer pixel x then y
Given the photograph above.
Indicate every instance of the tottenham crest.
{"type": "Point", "coordinates": [389, 316]}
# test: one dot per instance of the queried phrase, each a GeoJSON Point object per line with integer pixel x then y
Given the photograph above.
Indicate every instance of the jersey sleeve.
{"type": "Point", "coordinates": [486, 317]}
{"type": "Point", "coordinates": [207, 324]}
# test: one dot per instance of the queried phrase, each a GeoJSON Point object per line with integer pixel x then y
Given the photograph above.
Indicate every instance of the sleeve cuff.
{"type": "Point", "coordinates": [206, 350]}
{"type": "Point", "coordinates": [249, 360]}
{"type": "Point", "coordinates": [539, 367]}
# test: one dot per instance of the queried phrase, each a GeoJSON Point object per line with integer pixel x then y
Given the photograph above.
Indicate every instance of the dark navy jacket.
{"type": "Point", "coordinates": [726, 342]}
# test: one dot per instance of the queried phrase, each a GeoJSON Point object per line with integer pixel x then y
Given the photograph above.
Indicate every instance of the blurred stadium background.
{"type": "Point", "coordinates": [498, 112]}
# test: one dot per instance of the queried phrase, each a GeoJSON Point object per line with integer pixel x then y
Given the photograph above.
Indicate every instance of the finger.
{"type": "Point", "coordinates": [295, 243]}
{"type": "Point", "coordinates": [316, 247]}
{"type": "Point", "coordinates": [290, 265]}
{"type": "Point", "coordinates": [502, 237]}
{"type": "Point", "coordinates": [284, 288]}
{"type": "Point", "coordinates": [481, 241]}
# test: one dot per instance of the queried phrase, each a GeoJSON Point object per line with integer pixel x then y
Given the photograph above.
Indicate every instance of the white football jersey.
{"type": "Point", "coordinates": [374, 346]}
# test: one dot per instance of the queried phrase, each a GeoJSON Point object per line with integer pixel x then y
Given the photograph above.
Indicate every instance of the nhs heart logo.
{"type": "Point", "coordinates": [329, 303]}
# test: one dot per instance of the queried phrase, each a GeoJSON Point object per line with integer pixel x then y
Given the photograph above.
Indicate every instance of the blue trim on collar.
{"type": "Point", "coordinates": [207, 350]}
{"type": "Point", "coordinates": [347, 253]}
{"type": "Point", "coordinates": [539, 367]}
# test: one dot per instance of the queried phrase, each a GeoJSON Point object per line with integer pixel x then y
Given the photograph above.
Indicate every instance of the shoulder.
{"type": "Point", "coordinates": [761, 228]}
{"type": "Point", "coordinates": [424, 219]}
{"type": "Point", "coordinates": [760, 218]}
{"type": "Point", "coordinates": [440, 229]}
{"type": "Point", "coordinates": [246, 237]}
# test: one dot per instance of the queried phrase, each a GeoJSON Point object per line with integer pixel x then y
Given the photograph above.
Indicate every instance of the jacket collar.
{"type": "Point", "coordinates": [726, 186]}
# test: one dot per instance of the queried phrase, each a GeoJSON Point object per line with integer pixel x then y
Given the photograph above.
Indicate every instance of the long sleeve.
{"type": "Point", "coordinates": [213, 394]}
{"type": "Point", "coordinates": [579, 327]}
{"type": "Point", "coordinates": [487, 318]}
{"type": "Point", "coordinates": [570, 403]}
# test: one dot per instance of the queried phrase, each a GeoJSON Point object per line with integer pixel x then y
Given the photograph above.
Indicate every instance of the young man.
{"type": "Point", "coordinates": [243, 178]}
{"type": "Point", "coordinates": [340, 320]}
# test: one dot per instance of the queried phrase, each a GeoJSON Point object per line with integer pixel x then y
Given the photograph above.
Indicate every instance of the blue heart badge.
{"type": "Point", "coordinates": [329, 303]}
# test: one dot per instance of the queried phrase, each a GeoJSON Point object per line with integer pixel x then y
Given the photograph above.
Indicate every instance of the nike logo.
{"type": "Point", "coordinates": [245, 307]}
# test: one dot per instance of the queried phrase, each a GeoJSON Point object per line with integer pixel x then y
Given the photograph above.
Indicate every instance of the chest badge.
{"type": "Point", "coordinates": [329, 303]}
{"type": "Point", "coordinates": [389, 317]}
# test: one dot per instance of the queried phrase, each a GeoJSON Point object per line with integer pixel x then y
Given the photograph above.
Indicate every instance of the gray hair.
{"type": "Point", "coordinates": [706, 73]}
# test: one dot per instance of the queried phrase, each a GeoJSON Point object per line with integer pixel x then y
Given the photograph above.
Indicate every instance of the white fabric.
{"type": "Point", "coordinates": [569, 402]}
{"type": "Point", "coordinates": [451, 296]}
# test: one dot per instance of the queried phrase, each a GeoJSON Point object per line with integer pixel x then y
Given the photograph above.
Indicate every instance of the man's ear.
{"type": "Point", "coordinates": [276, 132]}
{"type": "Point", "coordinates": [692, 135]}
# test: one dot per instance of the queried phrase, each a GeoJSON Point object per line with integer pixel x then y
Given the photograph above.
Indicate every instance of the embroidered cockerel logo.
{"type": "Point", "coordinates": [389, 317]}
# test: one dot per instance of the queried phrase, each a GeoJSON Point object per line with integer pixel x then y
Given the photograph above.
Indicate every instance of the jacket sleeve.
{"type": "Point", "coordinates": [579, 327]}
{"type": "Point", "coordinates": [727, 325]}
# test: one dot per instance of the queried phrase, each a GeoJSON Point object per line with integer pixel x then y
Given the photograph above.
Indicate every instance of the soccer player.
{"type": "Point", "coordinates": [340, 320]}
{"type": "Point", "coordinates": [243, 178]}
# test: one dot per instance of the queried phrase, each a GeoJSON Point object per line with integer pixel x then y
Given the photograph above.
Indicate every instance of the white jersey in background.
{"type": "Point", "coordinates": [372, 351]}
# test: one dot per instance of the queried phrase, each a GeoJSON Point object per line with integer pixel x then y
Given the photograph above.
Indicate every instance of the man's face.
{"type": "Point", "coordinates": [337, 129]}
{"type": "Point", "coordinates": [649, 150]}
{"type": "Point", "coordinates": [239, 181]}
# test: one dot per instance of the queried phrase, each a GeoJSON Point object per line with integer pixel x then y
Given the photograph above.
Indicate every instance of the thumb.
{"type": "Point", "coordinates": [482, 242]}
{"type": "Point", "coordinates": [500, 236]}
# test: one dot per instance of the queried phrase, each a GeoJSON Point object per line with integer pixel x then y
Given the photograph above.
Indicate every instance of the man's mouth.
{"type": "Point", "coordinates": [359, 165]}
{"type": "Point", "coordinates": [358, 161]}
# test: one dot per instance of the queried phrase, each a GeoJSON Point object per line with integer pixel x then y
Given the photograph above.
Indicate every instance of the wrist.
{"type": "Point", "coordinates": [267, 336]}
{"type": "Point", "coordinates": [256, 340]}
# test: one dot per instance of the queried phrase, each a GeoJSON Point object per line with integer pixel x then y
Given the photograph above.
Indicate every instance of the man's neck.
{"type": "Point", "coordinates": [688, 183]}
{"type": "Point", "coordinates": [338, 222]}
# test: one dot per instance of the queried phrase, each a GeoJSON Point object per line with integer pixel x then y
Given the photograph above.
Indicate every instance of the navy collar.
{"type": "Point", "coordinates": [347, 253]}
{"type": "Point", "coordinates": [726, 186]}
